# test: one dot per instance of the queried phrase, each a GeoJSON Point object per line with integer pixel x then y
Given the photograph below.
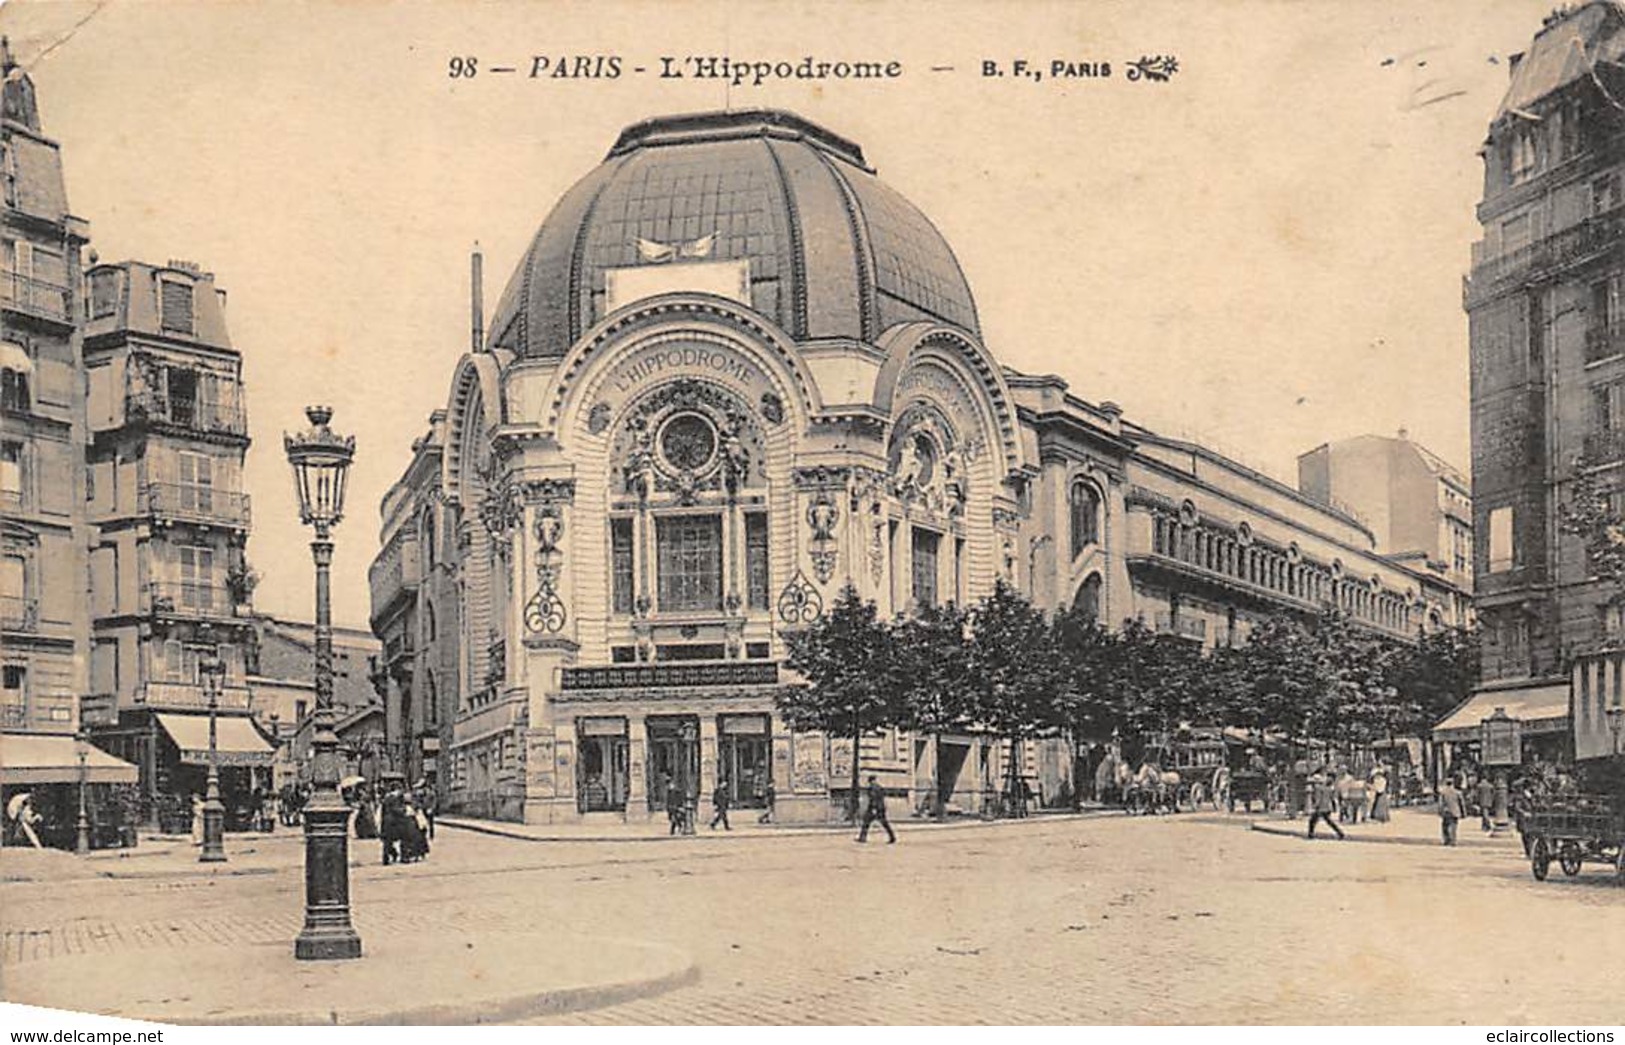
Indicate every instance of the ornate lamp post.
{"type": "Point", "coordinates": [213, 670]}
{"type": "Point", "coordinates": [81, 838]}
{"type": "Point", "coordinates": [321, 465]}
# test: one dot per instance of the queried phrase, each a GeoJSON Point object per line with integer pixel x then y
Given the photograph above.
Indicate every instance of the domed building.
{"type": "Point", "coordinates": [733, 373]}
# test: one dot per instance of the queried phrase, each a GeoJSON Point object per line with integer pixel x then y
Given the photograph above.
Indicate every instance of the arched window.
{"type": "Point", "coordinates": [427, 530]}
{"type": "Point", "coordinates": [428, 622]}
{"type": "Point", "coordinates": [431, 701]}
{"type": "Point", "coordinates": [1085, 517]}
{"type": "Point", "coordinates": [1087, 602]}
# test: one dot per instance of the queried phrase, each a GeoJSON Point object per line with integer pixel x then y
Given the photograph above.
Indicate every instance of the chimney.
{"type": "Point", "coordinates": [477, 306]}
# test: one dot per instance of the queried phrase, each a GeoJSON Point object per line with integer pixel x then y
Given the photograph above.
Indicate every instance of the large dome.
{"type": "Point", "coordinates": [832, 251]}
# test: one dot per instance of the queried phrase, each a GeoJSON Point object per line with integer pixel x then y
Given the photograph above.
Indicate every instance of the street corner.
{"type": "Point", "coordinates": [444, 978]}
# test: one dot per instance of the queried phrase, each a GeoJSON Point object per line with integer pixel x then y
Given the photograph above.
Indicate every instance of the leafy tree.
{"type": "Point", "coordinates": [1589, 515]}
{"type": "Point", "coordinates": [846, 658]}
{"type": "Point", "coordinates": [931, 666]}
{"type": "Point", "coordinates": [1015, 676]}
{"type": "Point", "coordinates": [1432, 677]}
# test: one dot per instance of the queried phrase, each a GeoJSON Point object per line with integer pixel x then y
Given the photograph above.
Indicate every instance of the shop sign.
{"type": "Point", "coordinates": [1501, 740]}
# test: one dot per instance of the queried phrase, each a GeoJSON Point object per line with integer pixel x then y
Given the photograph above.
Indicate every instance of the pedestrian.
{"type": "Point", "coordinates": [1322, 801]}
{"type": "Point", "coordinates": [426, 800]}
{"type": "Point", "coordinates": [876, 810]}
{"type": "Point", "coordinates": [719, 806]}
{"type": "Point", "coordinates": [197, 819]}
{"type": "Point", "coordinates": [1450, 810]}
{"type": "Point", "coordinates": [1379, 794]}
{"type": "Point", "coordinates": [769, 797]}
{"type": "Point", "coordinates": [1486, 802]}
{"type": "Point", "coordinates": [675, 807]}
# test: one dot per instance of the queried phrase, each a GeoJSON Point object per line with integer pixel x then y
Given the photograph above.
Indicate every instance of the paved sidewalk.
{"type": "Point", "coordinates": [1410, 826]}
{"type": "Point", "coordinates": [658, 830]}
{"type": "Point", "coordinates": [445, 977]}
{"type": "Point", "coordinates": [162, 857]}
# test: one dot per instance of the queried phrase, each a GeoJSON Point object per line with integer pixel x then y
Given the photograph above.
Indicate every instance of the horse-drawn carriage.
{"type": "Point", "coordinates": [1574, 829]}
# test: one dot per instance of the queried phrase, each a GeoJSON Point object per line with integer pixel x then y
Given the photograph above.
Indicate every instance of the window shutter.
{"type": "Point", "coordinates": [176, 307]}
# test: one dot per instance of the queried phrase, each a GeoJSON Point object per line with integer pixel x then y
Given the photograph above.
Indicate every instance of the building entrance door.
{"type": "Point", "coordinates": [602, 767]}
{"type": "Point", "coordinates": [746, 758]}
{"type": "Point", "coordinates": [674, 757]}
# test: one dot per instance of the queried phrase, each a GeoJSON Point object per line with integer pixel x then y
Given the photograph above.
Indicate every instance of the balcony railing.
{"type": "Point", "coordinates": [18, 613]}
{"type": "Point", "coordinates": [34, 296]}
{"type": "Point", "coordinates": [198, 415]}
{"type": "Point", "coordinates": [1603, 447]}
{"type": "Point", "coordinates": [1605, 343]}
{"type": "Point", "coordinates": [191, 599]}
{"type": "Point", "coordinates": [197, 503]}
{"type": "Point", "coordinates": [1573, 244]}
{"type": "Point", "coordinates": [661, 676]}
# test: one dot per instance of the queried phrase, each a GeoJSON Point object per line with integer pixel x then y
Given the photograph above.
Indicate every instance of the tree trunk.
{"type": "Point", "coordinates": [937, 810]}
{"type": "Point", "coordinates": [857, 743]}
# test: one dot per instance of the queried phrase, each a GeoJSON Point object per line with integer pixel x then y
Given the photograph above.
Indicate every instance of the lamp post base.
{"type": "Point", "coordinates": [214, 831]}
{"type": "Point", "coordinates": [328, 934]}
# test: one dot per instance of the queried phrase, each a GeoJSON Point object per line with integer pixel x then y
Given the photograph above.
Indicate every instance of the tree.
{"type": "Point", "coordinates": [1433, 677]}
{"type": "Point", "coordinates": [846, 658]}
{"type": "Point", "coordinates": [1014, 671]}
{"type": "Point", "coordinates": [931, 665]}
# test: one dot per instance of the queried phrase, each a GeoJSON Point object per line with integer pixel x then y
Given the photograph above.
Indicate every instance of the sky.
{"type": "Point", "coordinates": [1263, 252]}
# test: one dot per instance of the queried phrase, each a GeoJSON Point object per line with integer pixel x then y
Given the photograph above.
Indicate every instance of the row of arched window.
{"type": "Point", "coordinates": [1276, 571]}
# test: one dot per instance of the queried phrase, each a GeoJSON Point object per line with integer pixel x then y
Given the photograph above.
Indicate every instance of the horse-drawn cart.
{"type": "Point", "coordinates": [1574, 829]}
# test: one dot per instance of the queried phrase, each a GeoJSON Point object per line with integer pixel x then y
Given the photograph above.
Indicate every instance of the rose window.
{"type": "Point", "coordinates": [688, 442]}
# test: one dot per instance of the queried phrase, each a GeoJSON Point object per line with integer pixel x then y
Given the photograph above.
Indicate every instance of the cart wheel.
{"type": "Point", "coordinates": [1569, 858]}
{"type": "Point", "coordinates": [1540, 859]}
{"type": "Point", "coordinates": [1198, 796]}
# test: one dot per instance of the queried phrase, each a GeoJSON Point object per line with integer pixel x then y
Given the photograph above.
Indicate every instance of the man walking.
{"type": "Point", "coordinates": [676, 808]}
{"type": "Point", "coordinates": [1486, 802]}
{"type": "Point", "coordinates": [876, 810]}
{"type": "Point", "coordinates": [1450, 810]}
{"type": "Point", "coordinates": [719, 804]}
{"type": "Point", "coordinates": [769, 798]}
{"type": "Point", "coordinates": [1322, 801]}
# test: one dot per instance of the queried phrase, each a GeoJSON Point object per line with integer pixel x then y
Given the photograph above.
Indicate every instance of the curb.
{"type": "Point", "coordinates": [664, 969]}
{"type": "Point", "coordinates": [1282, 831]}
{"type": "Point", "coordinates": [501, 829]}
{"type": "Point", "coordinates": [548, 1002]}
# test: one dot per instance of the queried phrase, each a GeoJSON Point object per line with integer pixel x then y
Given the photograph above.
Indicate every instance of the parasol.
{"type": "Point", "coordinates": [14, 807]}
{"type": "Point", "coordinates": [351, 781]}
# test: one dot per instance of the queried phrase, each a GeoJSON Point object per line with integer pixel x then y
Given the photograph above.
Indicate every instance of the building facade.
{"type": "Point", "coordinates": [44, 619]}
{"type": "Point", "coordinates": [1546, 309]}
{"type": "Point", "coordinates": [734, 373]}
{"type": "Point", "coordinates": [414, 589]}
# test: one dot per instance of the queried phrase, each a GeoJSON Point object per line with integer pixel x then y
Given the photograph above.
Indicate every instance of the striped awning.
{"type": "Point", "coordinates": [15, 357]}
{"type": "Point", "coordinates": [1540, 708]}
{"type": "Point", "coordinates": [237, 741]}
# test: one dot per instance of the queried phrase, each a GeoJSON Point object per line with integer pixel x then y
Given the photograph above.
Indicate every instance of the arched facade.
{"type": "Point", "coordinates": [703, 411]}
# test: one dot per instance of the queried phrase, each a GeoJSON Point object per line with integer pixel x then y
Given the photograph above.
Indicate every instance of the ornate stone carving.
{"type": "Point", "coordinates": [598, 418]}
{"type": "Point", "coordinates": [824, 561]}
{"type": "Point", "coordinates": [545, 612]}
{"type": "Point", "coordinates": [550, 491]}
{"type": "Point", "coordinates": [799, 602]}
{"type": "Point", "coordinates": [688, 437]}
{"type": "Point", "coordinates": [772, 408]}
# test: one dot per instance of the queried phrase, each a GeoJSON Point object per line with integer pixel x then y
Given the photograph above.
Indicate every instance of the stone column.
{"type": "Point", "coordinates": [637, 788]}
{"type": "Point", "coordinates": [708, 756]}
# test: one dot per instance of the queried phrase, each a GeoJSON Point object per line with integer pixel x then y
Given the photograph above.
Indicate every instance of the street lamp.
{"type": "Point", "coordinates": [212, 669]}
{"type": "Point", "coordinates": [321, 464]}
{"type": "Point", "coordinates": [81, 839]}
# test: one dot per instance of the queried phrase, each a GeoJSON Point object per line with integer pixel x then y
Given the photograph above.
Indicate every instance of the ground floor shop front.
{"type": "Point", "coordinates": [639, 754]}
{"type": "Point", "coordinates": [170, 751]}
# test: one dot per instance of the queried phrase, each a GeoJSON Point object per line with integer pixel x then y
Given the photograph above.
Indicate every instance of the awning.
{"type": "Point", "coordinates": [45, 758]}
{"type": "Point", "coordinates": [14, 357]}
{"type": "Point", "coordinates": [237, 742]}
{"type": "Point", "coordinates": [1539, 708]}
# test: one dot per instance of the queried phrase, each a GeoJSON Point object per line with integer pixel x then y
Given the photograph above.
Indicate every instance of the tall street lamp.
{"type": "Point", "coordinates": [212, 668]}
{"type": "Point", "coordinates": [321, 464]}
{"type": "Point", "coordinates": [81, 836]}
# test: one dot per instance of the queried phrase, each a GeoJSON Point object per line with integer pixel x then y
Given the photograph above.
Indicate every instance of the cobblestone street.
{"type": "Point", "coordinates": [1106, 920]}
